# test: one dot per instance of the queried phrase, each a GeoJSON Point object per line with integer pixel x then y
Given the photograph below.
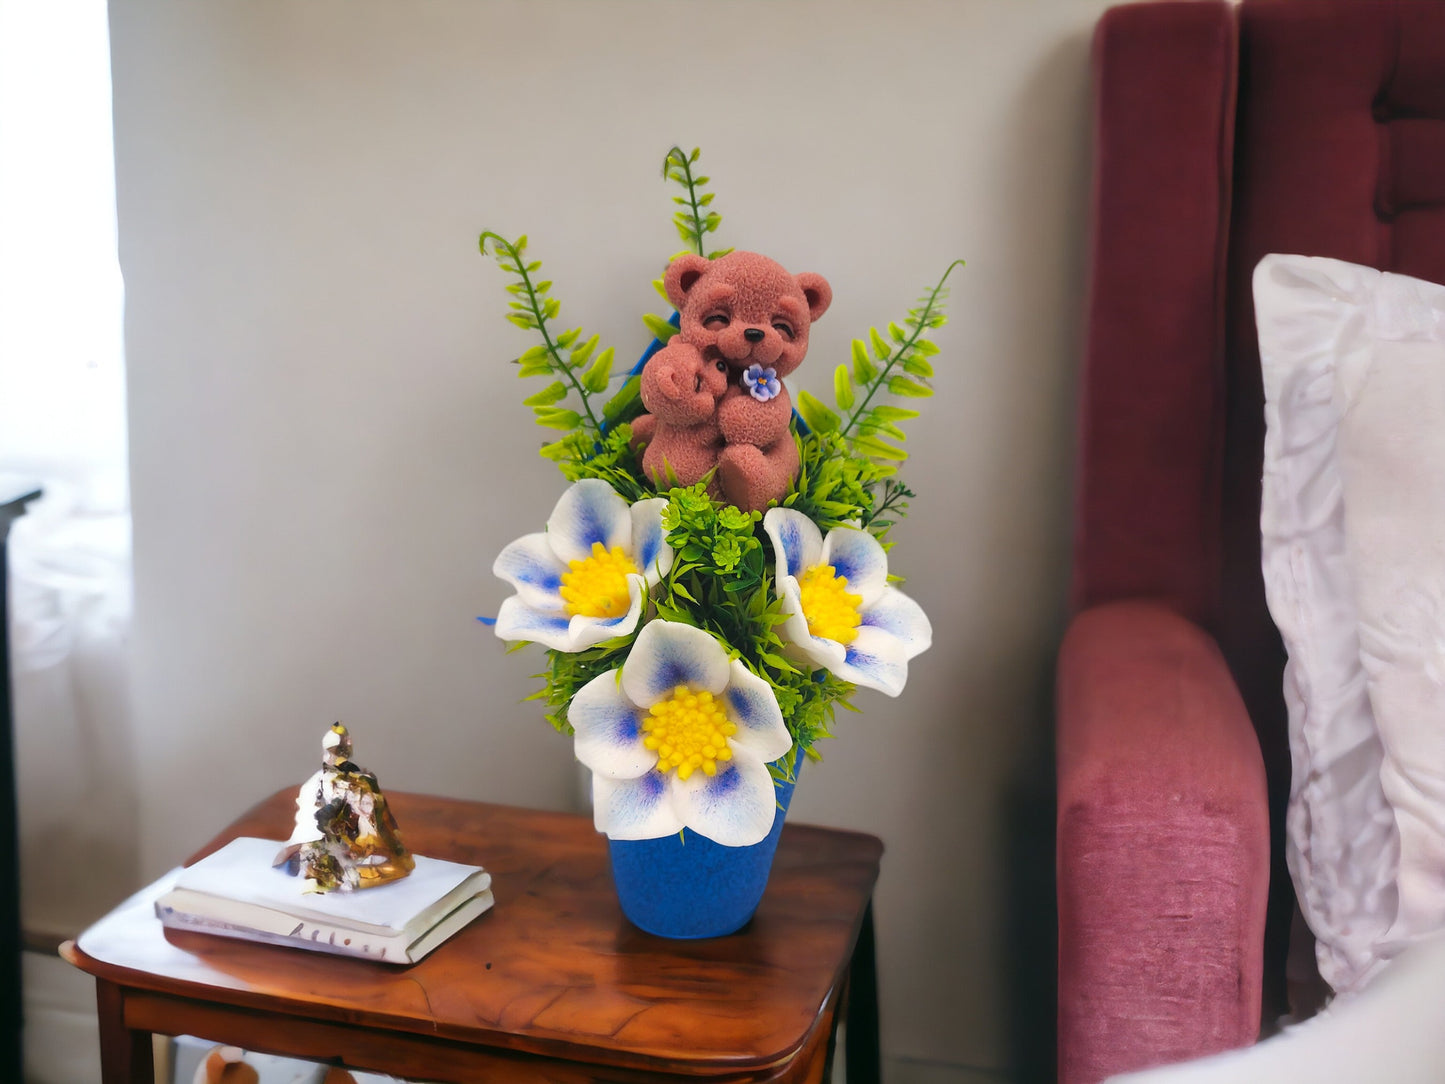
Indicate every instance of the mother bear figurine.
{"type": "Point", "coordinates": [715, 391]}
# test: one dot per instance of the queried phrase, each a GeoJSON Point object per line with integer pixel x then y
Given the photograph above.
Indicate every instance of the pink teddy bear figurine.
{"type": "Point", "coordinates": [715, 392]}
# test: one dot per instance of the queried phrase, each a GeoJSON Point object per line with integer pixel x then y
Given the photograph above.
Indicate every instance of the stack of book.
{"type": "Point", "coordinates": [236, 892]}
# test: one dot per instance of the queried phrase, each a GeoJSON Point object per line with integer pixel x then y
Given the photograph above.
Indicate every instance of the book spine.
{"type": "Point", "coordinates": [319, 937]}
{"type": "Point", "coordinates": [260, 916]}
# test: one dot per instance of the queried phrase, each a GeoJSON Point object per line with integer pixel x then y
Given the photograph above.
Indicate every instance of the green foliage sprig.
{"type": "Point", "coordinates": [611, 458]}
{"type": "Point", "coordinates": [693, 224]}
{"type": "Point", "coordinates": [890, 506]}
{"type": "Point", "coordinates": [579, 373]}
{"type": "Point", "coordinates": [875, 367]}
{"type": "Point", "coordinates": [569, 671]}
{"type": "Point", "coordinates": [835, 487]}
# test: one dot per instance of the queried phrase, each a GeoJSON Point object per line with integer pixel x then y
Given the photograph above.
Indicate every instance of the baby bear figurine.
{"type": "Point", "coordinates": [715, 391]}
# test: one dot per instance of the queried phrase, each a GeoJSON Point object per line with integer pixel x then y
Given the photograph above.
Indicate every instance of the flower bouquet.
{"type": "Point", "coordinates": [704, 611]}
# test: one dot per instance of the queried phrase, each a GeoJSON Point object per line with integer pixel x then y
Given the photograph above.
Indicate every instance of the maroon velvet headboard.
{"type": "Point", "coordinates": [1340, 151]}
{"type": "Point", "coordinates": [1333, 144]}
{"type": "Point", "coordinates": [1223, 134]}
{"type": "Point", "coordinates": [1146, 521]}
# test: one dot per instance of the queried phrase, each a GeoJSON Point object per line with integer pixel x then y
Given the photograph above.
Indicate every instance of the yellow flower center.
{"type": "Point", "coordinates": [596, 586]}
{"type": "Point", "coordinates": [689, 730]}
{"type": "Point", "coordinates": [831, 612]}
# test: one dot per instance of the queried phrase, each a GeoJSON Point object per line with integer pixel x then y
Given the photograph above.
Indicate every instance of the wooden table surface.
{"type": "Point", "coordinates": [553, 971]}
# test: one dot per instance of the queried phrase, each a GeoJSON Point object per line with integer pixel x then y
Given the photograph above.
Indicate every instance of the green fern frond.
{"type": "Point", "coordinates": [694, 219]}
{"type": "Point", "coordinates": [896, 360]}
{"type": "Point", "coordinates": [534, 310]}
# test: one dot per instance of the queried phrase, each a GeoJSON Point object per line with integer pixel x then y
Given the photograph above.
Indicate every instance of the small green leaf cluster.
{"type": "Point", "coordinates": [835, 487]}
{"type": "Point", "coordinates": [567, 672]}
{"type": "Point", "coordinates": [722, 582]}
{"type": "Point", "coordinates": [718, 552]}
{"type": "Point", "coordinates": [808, 702]}
{"type": "Point", "coordinates": [611, 458]}
{"type": "Point", "coordinates": [890, 505]}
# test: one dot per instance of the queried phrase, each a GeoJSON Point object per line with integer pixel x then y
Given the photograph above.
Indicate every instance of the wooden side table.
{"type": "Point", "coordinates": [553, 984]}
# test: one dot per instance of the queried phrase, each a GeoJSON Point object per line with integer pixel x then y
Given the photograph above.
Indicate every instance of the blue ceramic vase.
{"type": "Point", "coordinates": [689, 887]}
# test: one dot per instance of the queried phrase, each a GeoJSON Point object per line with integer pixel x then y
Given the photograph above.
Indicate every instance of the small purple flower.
{"type": "Point", "coordinates": [762, 384]}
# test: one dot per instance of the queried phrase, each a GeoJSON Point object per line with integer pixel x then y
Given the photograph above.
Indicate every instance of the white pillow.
{"type": "Point", "coordinates": [1392, 460]}
{"type": "Point", "coordinates": [1323, 325]}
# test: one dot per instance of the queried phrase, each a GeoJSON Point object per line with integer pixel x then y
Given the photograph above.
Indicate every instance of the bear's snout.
{"type": "Point", "coordinates": [743, 345]}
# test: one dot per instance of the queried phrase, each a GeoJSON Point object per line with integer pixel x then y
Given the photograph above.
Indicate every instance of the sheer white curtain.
{"type": "Point", "coordinates": [62, 423]}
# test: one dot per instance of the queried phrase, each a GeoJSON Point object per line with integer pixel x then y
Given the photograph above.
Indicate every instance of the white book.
{"type": "Point", "coordinates": [236, 892]}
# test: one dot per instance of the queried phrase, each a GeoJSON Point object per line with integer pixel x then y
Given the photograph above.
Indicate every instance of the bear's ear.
{"type": "Point", "coordinates": [682, 275]}
{"type": "Point", "coordinates": [819, 294]}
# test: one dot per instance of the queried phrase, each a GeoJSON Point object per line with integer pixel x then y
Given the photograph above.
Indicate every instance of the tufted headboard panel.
{"type": "Point", "coordinates": [1340, 152]}
{"type": "Point", "coordinates": [1223, 134]}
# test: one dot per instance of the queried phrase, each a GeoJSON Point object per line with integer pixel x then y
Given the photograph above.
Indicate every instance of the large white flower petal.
{"type": "Point", "coordinates": [735, 807]}
{"type": "Point", "coordinates": [641, 808]}
{"type": "Point", "coordinates": [857, 556]}
{"type": "Point", "coordinates": [518, 621]}
{"type": "Point", "coordinates": [585, 632]}
{"type": "Point", "coordinates": [753, 706]}
{"type": "Point", "coordinates": [530, 566]}
{"type": "Point", "coordinates": [650, 551]}
{"type": "Point", "coordinates": [801, 643]}
{"type": "Point", "coordinates": [797, 542]}
{"type": "Point", "coordinates": [875, 660]}
{"type": "Point", "coordinates": [608, 731]}
{"type": "Point", "coordinates": [667, 654]}
{"type": "Point", "coordinates": [589, 511]}
{"type": "Point", "coordinates": [903, 619]}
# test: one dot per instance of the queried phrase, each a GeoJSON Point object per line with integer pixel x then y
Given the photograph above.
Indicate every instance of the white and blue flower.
{"type": "Point", "coordinates": [843, 615]}
{"type": "Point", "coordinates": [680, 738]}
{"type": "Point", "coordinates": [586, 578]}
{"type": "Point", "coordinates": [762, 384]}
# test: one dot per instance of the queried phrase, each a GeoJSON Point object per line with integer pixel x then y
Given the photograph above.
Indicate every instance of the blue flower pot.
{"type": "Point", "coordinates": [689, 887]}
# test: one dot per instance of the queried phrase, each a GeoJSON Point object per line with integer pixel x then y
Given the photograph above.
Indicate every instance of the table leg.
{"type": "Point", "coordinates": [125, 1054]}
{"type": "Point", "coordinates": [864, 1060]}
{"type": "Point", "coordinates": [840, 1013]}
{"type": "Point", "coordinates": [11, 1025]}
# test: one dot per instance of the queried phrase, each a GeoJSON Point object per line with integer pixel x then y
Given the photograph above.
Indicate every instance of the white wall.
{"type": "Point", "coordinates": [328, 448]}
